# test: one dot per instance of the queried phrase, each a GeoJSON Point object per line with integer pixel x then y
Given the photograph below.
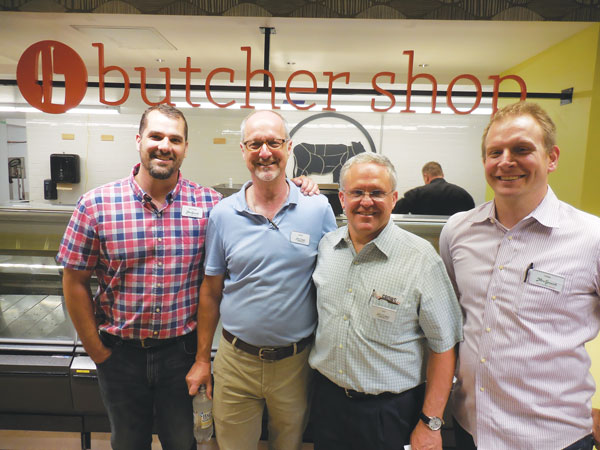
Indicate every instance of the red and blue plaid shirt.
{"type": "Point", "coordinates": [148, 261]}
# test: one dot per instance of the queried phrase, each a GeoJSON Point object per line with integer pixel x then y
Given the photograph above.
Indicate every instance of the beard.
{"type": "Point", "coordinates": [160, 173]}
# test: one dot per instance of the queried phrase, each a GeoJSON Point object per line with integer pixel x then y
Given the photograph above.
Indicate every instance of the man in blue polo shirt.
{"type": "Point", "coordinates": [260, 255]}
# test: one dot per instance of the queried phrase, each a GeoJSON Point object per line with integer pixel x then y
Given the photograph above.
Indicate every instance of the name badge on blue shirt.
{"type": "Point", "coordinates": [192, 211]}
{"type": "Point", "coordinates": [546, 280]}
{"type": "Point", "coordinates": [300, 238]}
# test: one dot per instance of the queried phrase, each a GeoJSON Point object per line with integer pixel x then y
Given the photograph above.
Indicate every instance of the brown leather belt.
{"type": "Point", "coordinates": [268, 353]}
{"type": "Point", "coordinates": [112, 340]}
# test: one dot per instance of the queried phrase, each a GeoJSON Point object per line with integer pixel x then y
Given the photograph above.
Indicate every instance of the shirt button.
{"type": "Point", "coordinates": [482, 360]}
{"type": "Point", "coordinates": [345, 317]}
{"type": "Point", "coordinates": [159, 263]}
{"type": "Point", "coordinates": [493, 220]}
{"type": "Point", "coordinates": [341, 346]}
{"type": "Point", "coordinates": [349, 289]}
{"type": "Point", "coordinates": [355, 263]}
{"type": "Point", "coordinates": [158, 285]}
{"type": "Point", "coordinates": [481, 389]}
{"type": "Point", "coordinates": [493, 297]}
{"type": "Point", "coordinates": [340, 371]}
{"type": "Point", "coordinates": [155, 333]}
{"type": "Point", "coordinates": [157, 309]}
{"type": "Point", "coordinates": [501, 267]}
{"type": "Point", "coordinates": [510, 238]}
{"type": "Point", "coordinates": [488, 329]}
{"type": "Point", "coordinates": [159, 239]}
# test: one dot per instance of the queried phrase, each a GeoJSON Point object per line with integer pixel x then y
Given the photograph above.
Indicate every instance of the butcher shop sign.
{"type": "Point", "coordinates": [41, 61]}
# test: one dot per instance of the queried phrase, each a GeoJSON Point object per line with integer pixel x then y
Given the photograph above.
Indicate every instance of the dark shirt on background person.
{"type": "Point", "coordinates": [436, 197]}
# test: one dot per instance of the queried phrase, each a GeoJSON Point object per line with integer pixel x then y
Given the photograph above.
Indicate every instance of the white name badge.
{"type": "Point", "coordinates": [300, 238]}
{"type": "Point", "coordinates": [192, 211]}
{"type": "Point", "coordinates": [546, 280]}
{"type": "Point", "coordinates": [381, 313]}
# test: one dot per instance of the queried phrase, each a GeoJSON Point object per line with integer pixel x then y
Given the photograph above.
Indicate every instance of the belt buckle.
{"type": "Point", "coordinates": [263, 357]}
{"type": "Point", "coordinates": [143, 342]}
{"type": "Point", "coordinates": [347, 391]}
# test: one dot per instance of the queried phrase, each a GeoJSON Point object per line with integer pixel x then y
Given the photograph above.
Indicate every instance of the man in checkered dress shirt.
{"type": "Point", "coordinates": [143, 238]}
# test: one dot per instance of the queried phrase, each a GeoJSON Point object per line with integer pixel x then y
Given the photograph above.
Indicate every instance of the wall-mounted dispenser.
{"type": "Point", "coordinates": [64, 168]}
{"type": "Point", "coordinates": [50, 192]}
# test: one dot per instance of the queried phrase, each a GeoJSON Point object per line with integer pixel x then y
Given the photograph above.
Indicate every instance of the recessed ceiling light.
{"type": "Point", "coordinates": [423, 65]}
{"type": "Point", "coordinates": [290, 63]}
{"type": "Point", "coordinates": [160, 60]}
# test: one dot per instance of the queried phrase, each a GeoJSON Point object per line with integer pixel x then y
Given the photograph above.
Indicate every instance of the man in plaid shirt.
{"type": "Point", "coordinates": [143, 238]}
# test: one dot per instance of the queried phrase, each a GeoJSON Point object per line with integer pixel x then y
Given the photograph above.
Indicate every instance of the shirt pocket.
{"type": "Point", "coordinates": [535, 302]}
{"type": "Point", "coordinates": [385, 322]}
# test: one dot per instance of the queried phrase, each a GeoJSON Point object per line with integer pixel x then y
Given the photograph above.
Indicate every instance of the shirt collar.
{"type": "Point", "coordinates": [242, 205]}
{"type": "Point", "coordinates": [546, 213]}
{"type": "Point", "coordinates": [383, 242]}
{"type": "Point", "coordinates": [142, 196]}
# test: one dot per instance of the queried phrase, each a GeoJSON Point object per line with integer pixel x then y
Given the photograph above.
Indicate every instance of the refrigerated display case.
{"type": "Point", "coordinates": [47, 381]}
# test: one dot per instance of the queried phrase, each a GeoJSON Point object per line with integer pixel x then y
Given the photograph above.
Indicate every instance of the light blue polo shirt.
{"type": "Point", "coordinates": [268, 297]}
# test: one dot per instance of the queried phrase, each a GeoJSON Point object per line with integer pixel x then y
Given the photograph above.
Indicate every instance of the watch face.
{"type": "Point", "coordinates": [435, 423]}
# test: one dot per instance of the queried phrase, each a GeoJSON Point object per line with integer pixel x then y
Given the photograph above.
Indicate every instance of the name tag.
{"type": "Point", "coordinates": [546, 280]}
{"type": "Point", "coordinates": [300, 238]}
{"type": "Point", "coordinates": [192, 211]}
{"type": "Point", "coordinates": [381, 313]}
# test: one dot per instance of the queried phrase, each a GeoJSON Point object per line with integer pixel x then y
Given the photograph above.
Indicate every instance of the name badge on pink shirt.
{"type": "Point", "coordinates": [546, 280]}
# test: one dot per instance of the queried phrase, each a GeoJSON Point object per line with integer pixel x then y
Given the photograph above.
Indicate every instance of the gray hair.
{"type": "Point", "coordinates": [256, 111]}
{"type": "Point", "coordinates": [369, 157]}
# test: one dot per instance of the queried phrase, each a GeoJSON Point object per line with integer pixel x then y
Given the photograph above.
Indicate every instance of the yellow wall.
{"type": "Point", "coordinates": [570, 63]}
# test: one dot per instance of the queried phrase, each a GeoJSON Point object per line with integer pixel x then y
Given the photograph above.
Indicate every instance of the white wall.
{"type": "Point", "coordinates": [409, 140]}
{"type": "Point", "coordinates": [4, 196]}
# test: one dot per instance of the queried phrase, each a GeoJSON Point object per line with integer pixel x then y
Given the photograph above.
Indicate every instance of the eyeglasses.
{"type": "Point", "coordinates": [376, 195]}
{"type": "Point", "coordinates": [273, 144]}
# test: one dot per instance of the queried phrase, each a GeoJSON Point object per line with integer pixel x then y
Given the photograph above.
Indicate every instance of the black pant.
{"type": "Point", "coordinates": [377, 422]}
{"type": "Point", "coordinates": [464, 441]}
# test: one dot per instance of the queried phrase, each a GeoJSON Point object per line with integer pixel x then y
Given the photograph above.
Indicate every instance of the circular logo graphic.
{"type": "Point", "coordinates": [322, 143]}
{"type": "Point", "coordinates": [45, 63]}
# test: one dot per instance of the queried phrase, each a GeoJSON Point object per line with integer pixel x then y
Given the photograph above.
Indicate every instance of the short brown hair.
{"type": "Point", "coordinates": [433, 169]}
{"type": "Point", "coordinates": [166, 110]}
{"type": "Point", "coordinates": [521, 109]}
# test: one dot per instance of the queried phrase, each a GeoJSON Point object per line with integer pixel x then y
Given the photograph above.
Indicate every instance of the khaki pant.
{"type": "Point", "coordinates": [244, 384]}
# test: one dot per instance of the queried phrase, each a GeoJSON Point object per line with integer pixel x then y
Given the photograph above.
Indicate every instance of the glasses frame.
{"type": "Point", "coordinates": [366, 193]}
{"type": "Point", "coordinates": [281, 145]}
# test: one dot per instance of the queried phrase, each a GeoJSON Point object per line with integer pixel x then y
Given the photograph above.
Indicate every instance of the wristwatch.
{"type": "Point", "coordinates": [434, 423]}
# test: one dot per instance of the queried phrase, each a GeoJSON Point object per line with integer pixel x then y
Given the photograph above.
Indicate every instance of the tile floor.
{"type": "Point", "coordinates": [49, 440]}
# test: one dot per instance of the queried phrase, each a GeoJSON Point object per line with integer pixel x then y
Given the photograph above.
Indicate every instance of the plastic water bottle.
{"type": "Point", "coordinates": [203, 421]}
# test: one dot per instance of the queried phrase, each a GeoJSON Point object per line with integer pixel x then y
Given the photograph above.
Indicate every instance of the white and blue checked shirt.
{"type": "Point", "coordinates": [357, 351]}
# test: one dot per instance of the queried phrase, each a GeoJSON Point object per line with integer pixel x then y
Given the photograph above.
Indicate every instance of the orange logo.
{"type": "Point", "coordinates": [58, 62]}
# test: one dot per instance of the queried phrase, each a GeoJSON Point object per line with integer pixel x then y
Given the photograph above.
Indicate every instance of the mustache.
{"type": "Point", "coordinates": [156, 154]}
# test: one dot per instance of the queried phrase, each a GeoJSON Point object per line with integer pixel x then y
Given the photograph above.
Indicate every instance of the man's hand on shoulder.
{"type": "Point", "coordinates": [423, 438]}
{"type": "Point", "coordinates": [307, 185]}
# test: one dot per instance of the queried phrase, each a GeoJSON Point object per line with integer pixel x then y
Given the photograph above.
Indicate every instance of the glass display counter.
{"type": "Point", "coordinates": [47, 382]}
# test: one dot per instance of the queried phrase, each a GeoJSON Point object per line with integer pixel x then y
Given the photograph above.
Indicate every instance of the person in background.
{"type": "Point", "coordinates": [526, 269]}
{"type": "Point", "coordinates": [388, 324]}
{"type": "Point", "coordinates": [260, 255]}
{"type": "Point", "coordinates": [143, 238]}
{"type": "Point", "coordinates": [436, 197]}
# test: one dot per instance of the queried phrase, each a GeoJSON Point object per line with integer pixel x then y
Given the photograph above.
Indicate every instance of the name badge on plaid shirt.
{"type": "Point", "coordinates": [192, 211]}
